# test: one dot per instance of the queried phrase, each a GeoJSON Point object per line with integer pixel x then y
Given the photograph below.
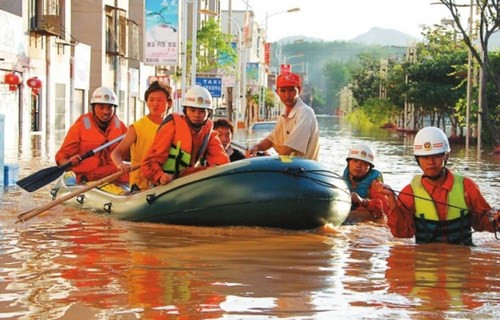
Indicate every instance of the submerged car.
{"type": "Point", "coordinates": [263, 126]}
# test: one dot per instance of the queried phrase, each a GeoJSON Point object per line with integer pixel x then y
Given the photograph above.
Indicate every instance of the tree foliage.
{"type": "Point", "coordinates": [211, 45]}
{"type": "Point", "coordinates": [489, 23]}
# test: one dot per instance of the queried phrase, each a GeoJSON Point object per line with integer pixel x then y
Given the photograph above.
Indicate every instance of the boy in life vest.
{"type": "Point", "coordinates": [225, 129]}
{"type": "Point", "coordinates": [438, 206]}
{"type": "Point", "coordinates": [90, 131]}
{"type": "Point", "coordinates": [366, 185]}
{"type": "Point", "coordinates": [141, 134]}
{"type": "Point", "coordinates": [184, 142]}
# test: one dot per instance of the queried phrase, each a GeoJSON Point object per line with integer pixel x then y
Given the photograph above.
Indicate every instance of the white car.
{"type": "Point", "coordinates": [220, 113]}
{"type": "Point", "coordinates": [263, 126]}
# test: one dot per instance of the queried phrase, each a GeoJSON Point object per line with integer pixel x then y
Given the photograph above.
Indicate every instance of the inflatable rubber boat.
{"type": "Point", "coordinates": [275, 192]}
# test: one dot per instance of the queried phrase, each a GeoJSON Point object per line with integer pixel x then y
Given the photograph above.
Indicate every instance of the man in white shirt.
{"type": "Point", "coordinates": [296, 131]}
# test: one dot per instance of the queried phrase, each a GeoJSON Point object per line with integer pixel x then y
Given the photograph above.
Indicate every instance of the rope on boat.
{"type": "Point", "coordinates": [292, 171]}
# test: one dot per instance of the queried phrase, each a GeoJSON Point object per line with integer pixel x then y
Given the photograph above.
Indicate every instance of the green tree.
{"type": "Point", "coordinates": [211, 45]}
{"type": "Point", "coordinates": [337, 76]}
{"type": "Point", "coordinates": [366, 78]}
{"type": "Point", "coordinates": [436, 82]}
{"type": "Point", "coordinates": [489, 23]}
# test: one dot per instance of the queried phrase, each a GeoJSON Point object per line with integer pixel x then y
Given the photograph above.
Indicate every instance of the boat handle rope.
{"type": "Point", "coordinates": [53, 192]}
{"type": "Point", "coordinates": [80, 198]}
{"type": "Point", "coordinates": [293, 171]}
{"type": "Point", "coordinates": [107, 207]}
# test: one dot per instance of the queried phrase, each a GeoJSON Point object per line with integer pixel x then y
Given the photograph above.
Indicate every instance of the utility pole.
{"type": "Point", "coordinates": [469, 81]}
{"type": "Point", "coordinates": [229, 92]}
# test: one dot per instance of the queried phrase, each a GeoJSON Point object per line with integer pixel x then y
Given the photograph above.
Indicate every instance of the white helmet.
{"type": "Point", "coordinates": [362, 152]}
{"type": "Point", "coordinates": [198, 97]}
{"type": "Point", "coordinates": [430, 141]}
{"type": "Point", "coordinates": [104, 95]}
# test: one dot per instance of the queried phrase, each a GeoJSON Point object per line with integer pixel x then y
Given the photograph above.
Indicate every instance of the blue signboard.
{"type": "Point", "coordinates": [213, 85]}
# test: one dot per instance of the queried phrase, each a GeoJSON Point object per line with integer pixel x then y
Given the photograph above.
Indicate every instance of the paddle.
{"type": "Point", "coordinates": [45, 176]}
{"type": "Point", "coordinates": [25, 216]}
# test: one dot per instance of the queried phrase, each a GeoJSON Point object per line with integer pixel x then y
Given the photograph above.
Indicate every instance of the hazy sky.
{"type": "Point", "coordinates": [342, 19]}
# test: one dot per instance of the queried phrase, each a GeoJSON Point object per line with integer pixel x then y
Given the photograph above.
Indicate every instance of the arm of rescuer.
{"type": "Point", "coordinates": [263, 145]}
{"type": "Point", "coordinates": [122, 150]}
{"type": "Point", "coordinates": [215, 154]}
{"type": "Point", "coordinates": [68, 152]}
{"type": "Point", "coordinates": [157, 154]}
{"type": "Point", "coordinates": [377, 202]}
{"type": "Point", "coordinates": [401, 213]}
{"type": "Point", "coordinates": [481, 221]}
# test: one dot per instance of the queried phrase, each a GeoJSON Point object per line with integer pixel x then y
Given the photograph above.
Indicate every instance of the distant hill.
{"type": "Point", "coordinates": [384, 37]}
{"type": "Point", "coordinates": [292, 39]}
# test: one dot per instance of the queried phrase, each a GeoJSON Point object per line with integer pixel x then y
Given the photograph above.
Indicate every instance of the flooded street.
{"type": "Point", "coordinates": [70, 264]}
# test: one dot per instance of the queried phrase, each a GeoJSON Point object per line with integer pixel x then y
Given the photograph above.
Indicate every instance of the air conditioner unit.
{"type": "Point", "coordinates": [49, 25]}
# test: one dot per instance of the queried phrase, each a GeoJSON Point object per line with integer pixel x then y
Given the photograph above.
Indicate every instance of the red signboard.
{"type": "Point", "coordinates": [267, 53]}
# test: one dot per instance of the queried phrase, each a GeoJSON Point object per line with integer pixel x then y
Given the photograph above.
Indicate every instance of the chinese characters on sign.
{"type": "Point", "coordinates": [213, 85]}
{"type": "Point", "coordinates": [161, 45]}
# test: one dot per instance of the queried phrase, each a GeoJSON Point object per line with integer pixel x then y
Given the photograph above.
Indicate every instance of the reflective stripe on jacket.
{"type": "Point", "coordinates": [456, 228]}
{"type": "Point", "coordinates": [83, 136]}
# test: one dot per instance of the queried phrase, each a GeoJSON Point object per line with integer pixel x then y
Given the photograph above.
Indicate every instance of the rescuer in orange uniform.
{"type": "Point", "coordinates": [438, 206]}
{"type": "Point", "coordinates": [90, 131]}
{"type": "Point", "coordinates": [184, 143]}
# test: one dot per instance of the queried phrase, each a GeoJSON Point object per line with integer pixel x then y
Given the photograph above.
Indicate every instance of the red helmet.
{"type": "Point", "coordinates": [288, 79]}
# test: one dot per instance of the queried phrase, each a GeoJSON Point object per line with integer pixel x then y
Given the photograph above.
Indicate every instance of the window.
{"type": "Point", "coordinates": [46, 17]}
{"type": "Point", "coordinates": [116, 31]}
{"type": "Point", "coordinates": [133, 40]}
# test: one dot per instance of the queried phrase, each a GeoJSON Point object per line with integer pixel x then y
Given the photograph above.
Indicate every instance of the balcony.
{"type": "Point", "coordinates": [48, 25]}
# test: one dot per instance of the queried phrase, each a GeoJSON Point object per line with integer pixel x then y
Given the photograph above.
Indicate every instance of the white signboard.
{"type": "Point", "coordinates": [161, 46]}
{"type": "Point", "coordinates": [82, 66]}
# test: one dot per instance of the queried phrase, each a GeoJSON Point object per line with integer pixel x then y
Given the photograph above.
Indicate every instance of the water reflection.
{"type": "Point", "coordinates": [69, 264]}
{"type": "Point", "coordinates": [442, 281]}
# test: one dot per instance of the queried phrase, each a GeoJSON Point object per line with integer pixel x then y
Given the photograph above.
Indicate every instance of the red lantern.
{"type": "Point", "coordinates": [13, 80]}
{"type": "Point", "coordinates": [35, 84]}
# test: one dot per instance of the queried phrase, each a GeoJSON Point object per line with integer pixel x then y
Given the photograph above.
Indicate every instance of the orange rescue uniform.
{"type": "Point", "coordinates": [401, 220]}
{"type": "Point", "coordinates": [84, 135]}
{"type": "Point", "coordinates": [167, 136]}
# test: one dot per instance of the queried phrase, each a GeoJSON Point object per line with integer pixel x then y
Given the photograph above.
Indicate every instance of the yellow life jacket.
{"type": "Point", "coordinates": [457, 228]}
{"type": "Point", "coordinates": [180, 153]}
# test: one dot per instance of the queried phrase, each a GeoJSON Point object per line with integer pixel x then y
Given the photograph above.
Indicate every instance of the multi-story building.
{"type": "Point", "coordinates": [252, 78]}
{"type": "Point", "coordinates": [73, 47]}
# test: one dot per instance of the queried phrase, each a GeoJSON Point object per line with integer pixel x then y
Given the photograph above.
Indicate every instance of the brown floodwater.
{"type": "Point", "coordinates": [71, 264]}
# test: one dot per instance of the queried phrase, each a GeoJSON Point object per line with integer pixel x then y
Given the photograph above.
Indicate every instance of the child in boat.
{"type": "Point", "coordinates": [141, 133]}
{"type": "Point", "coordinates": [183, 142]}
{"type": "Point", "coordinates": [438, 206]}
{"type": "Point", "coordinates": [365, 183]}
{"type": "Point", "coordinates": [225, 129]}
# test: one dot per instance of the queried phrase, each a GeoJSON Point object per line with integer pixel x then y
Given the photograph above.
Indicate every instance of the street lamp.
{"type": "Point", "coordinates": [194, 36]}
{"type": "Point", "coordinates": [279, 12]}
{"type": "Point", "coordinates": [285, 58]}
{"type": "Point", "coordinates": [241, 70]}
